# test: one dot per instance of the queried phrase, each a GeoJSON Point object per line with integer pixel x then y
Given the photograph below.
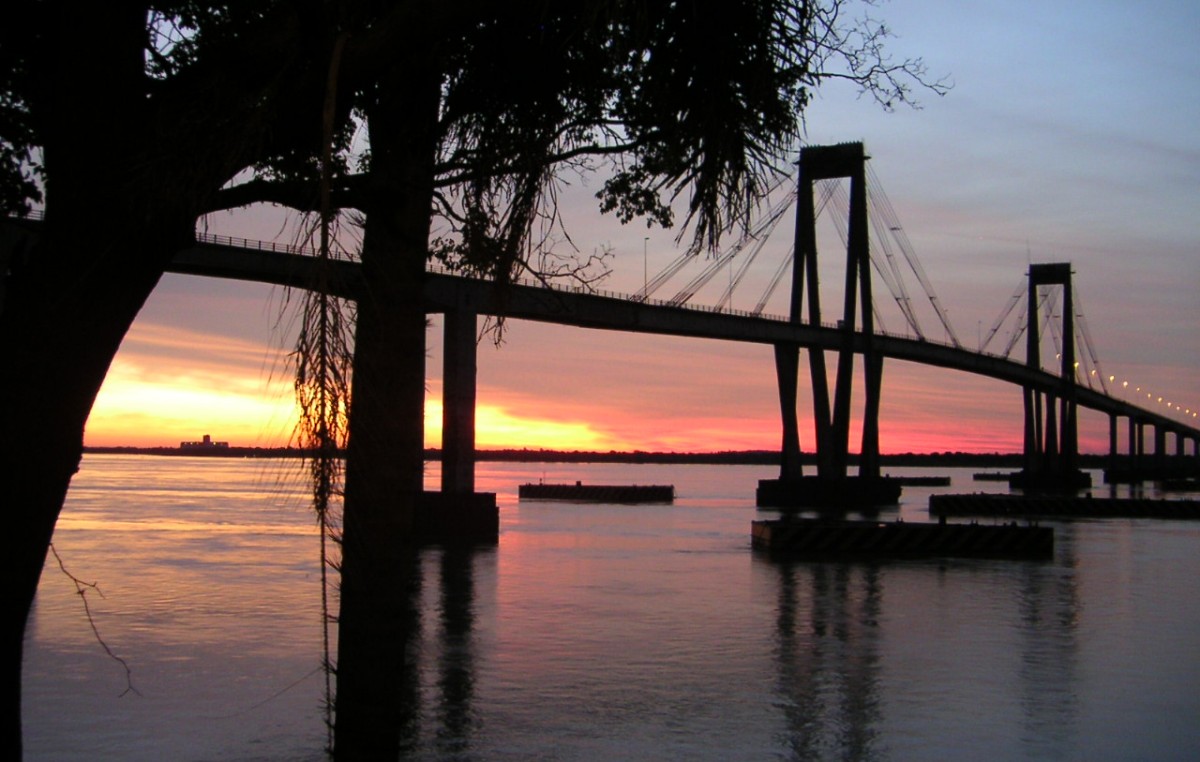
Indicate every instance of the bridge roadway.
{"type": "Point", "coordinates": [240, 259]}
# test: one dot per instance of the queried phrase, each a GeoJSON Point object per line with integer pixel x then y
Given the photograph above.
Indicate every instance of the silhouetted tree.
{"type": "Point", "coordinates": [123, 119]}
{"type": "Point", "coordinates": [135, 118]}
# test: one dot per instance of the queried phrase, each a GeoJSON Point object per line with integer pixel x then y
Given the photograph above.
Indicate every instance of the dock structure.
{"type": "Point", "coordinates": [821, 539]}
{"type": "Point", "coordinates": [920, 481]}
{"type": "Point", "coordinates": [824, 492]}
{"type": "Point", "coordinates": [1061, 506]}
{"type": "Point", "coordinates": [599, 493]}
{"type": "Point", "coordinates": [463, 518]}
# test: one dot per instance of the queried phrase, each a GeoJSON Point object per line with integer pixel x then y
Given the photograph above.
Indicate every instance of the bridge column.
{"type": "Point", "coordinates": [1051, 430]}
{"type": "Point", "coordinates": [787, 371]}
{"type": "Point", "coordinates": [1160, 450]}
{"type": "Point", "coordinates": [1112, 443]}
{"type": "Point", "coordinates": [1050, 447]}
{"type": "Point", "coordinates": [458, 401]}
{"type": "Point", "coordinates": [458, 514]}
{"type": "Point", "coordinates": [869, 464]}
{"type": "Point", "coordinates": [1139, 461]}
{"type": "Point", "coordinates": [832, 485]}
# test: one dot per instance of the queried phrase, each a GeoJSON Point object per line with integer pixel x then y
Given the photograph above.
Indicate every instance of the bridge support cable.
{"type": "Point", "coordinates": [1022, 322]}
{"type": "Point", "coordinates": [763, 234]}
{"type": "Point", "coordinates": [658, 281]}
{"type": "Point", "coordinates": [754, 239]}
{"type": "Point", "coordinates": [1089, 346]}
{"type": "Point", "coordinates": [880, 201]}
{"type": "Point", "coordinates": [889, 273]}
{"type": "Point", "coordinates": [828, 188]}
{"type": "Point", "coordinates": [1013, 302]}
{"type": "Point", "coordinates": [891, 276]}
{"type": "Point", "coordinates": [773, 284]}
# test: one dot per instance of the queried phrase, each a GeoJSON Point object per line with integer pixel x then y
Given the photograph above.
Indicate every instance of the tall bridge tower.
{"type": "Point", "coordinates": [832, 482]}
{"type": "Point", "coordinates": [1051, 425]}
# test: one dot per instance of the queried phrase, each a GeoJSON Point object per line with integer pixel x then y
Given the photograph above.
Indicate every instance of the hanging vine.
{"type": "Point", "coordinates": [323, 360]}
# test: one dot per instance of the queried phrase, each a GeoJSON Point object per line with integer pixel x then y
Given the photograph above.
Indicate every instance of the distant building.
{"type": "Point", "coordinates": [204, 445]}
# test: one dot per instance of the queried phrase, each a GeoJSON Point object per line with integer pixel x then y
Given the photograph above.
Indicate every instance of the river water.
{"type": "Point", "coordinates": [646, 632]}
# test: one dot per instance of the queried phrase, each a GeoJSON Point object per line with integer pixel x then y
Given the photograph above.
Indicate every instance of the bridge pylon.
{"type": "Point", "coordinates": [832, 484]}
{"type": "Point", "coordinates": [1051, 438]}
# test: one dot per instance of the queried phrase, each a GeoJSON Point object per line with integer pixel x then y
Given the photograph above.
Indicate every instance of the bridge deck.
{"type": "Point", "coordinates": [231, 258]}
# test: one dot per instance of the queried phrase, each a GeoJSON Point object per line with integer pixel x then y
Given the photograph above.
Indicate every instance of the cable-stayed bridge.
{"type": "Point", "coordinates": [871, 243]}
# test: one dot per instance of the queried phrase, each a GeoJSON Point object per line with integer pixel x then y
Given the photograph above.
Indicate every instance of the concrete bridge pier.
{"type": "Point", "coordinates": [787, 372]}
{"type": "Point", "coordinates": [458, 514]}
{"type": "Point", "coordinates": [1140, 466]}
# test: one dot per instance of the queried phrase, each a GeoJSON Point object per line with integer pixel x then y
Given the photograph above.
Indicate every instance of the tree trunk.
{"type": "Point", "coordinates": [69, 299]}
{"type": "Point", "coordinates": [385, 456]}
{"type": "Point", "coordinates": [65, 312]}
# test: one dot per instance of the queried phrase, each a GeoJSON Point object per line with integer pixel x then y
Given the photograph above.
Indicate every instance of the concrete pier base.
{"type": "Point", "coordinates": [844, 540]}
{"type": "Point", "coordinates": [819, 492]}
{"type": "Point", "coordinates": [457, 518]}
{"type": "Point", "coordinates": [1069, 481]}
{"type": "Point", "coordinates": [1061, 507]}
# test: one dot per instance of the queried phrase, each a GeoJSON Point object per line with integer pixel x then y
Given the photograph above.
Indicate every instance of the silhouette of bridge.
{"type": "Point", "coordinates": [1051, 397]}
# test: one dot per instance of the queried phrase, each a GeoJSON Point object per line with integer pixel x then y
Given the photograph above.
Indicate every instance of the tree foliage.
{"type": "Point", "coordinates": [128, 120]}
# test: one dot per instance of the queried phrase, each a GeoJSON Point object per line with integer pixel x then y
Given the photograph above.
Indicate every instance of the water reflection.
{"type": "Point", "coordinates": [434, 689]}
{"type": "Point", "coordinates": [456, 662]}
{"type": "Point", "coordinates": [843, 693]}
{"type": "Point", "coordinates": [1049, 605]}
{"type": "Point", "coordinates": [827, 624]}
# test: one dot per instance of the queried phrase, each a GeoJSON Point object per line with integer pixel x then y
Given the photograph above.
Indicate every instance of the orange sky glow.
{"type": "Point", "coordinates": [1012, 167]}
{"type": "Point", "coordinates": [170, 384]}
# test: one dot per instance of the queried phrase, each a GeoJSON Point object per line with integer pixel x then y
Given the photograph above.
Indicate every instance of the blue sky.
{"type": "Point", "coordinates": [1070, 134]}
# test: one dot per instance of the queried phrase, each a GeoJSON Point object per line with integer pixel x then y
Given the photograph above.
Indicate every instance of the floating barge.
{"type": "Point", "coordinates": [1020, 506]}
{"type": "Point", "coordinates": [920, 481]}
{"type": "Point", "coordinates": [470, 518]}
{"type": "Point", "coordinates": [990, 476]}
{"type": "Point", "coordinates": [1180, 485]}
{"type": "Point", "coordinates": [820, 539]}
{"type": "Point", "coordinates": [599, 493]}
{"type": "Point", "coordinates": [818, 492]}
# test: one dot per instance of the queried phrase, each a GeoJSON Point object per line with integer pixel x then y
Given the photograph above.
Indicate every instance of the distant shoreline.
{"type": "Point", "coordinates": [737, 457]}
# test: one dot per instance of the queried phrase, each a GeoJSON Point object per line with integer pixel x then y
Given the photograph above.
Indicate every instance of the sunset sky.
{"type": "Point", "coordinates": [1070, 135]}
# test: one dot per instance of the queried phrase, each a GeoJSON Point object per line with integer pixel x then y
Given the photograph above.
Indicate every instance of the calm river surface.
{"type": "Point", "coordinates": [608, 632]}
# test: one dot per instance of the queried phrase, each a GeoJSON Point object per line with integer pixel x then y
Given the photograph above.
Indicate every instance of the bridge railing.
{"type": "Point", "coordinates": [256, 245]}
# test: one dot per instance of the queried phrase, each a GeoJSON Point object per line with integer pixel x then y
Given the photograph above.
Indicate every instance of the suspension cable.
{"type": "Point", "coordinates": [881, 202]}
{"type": "Point", "coordinates": [1013, 301]}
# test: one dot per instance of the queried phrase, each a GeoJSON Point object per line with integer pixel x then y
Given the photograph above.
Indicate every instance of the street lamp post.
{"type": "Point", "coordinates": [645, 268]}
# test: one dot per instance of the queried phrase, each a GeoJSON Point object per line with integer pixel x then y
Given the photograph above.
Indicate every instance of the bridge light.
{"type": "Point", "coordinates": [1114, 378]}
{"type": "Point", "coordinates": [1124, 384]}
